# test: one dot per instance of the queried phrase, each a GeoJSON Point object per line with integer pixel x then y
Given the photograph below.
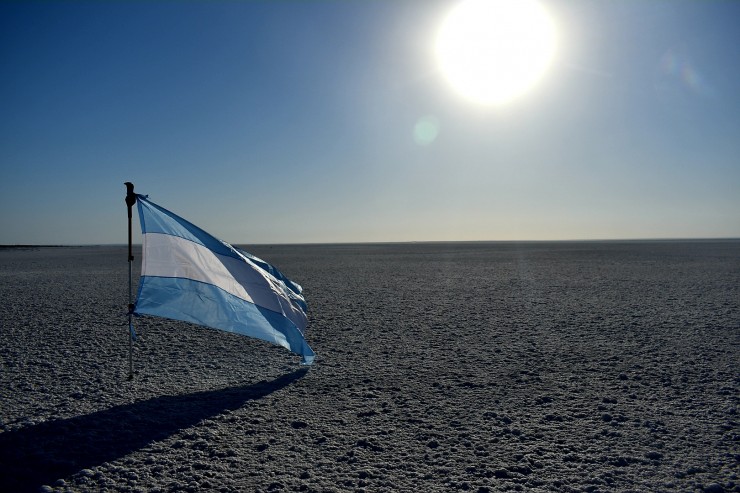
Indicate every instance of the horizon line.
{"type": "Point", "coordinates": [402, 242]}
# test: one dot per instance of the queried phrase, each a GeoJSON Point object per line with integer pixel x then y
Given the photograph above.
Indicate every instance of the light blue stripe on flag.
{"type": "Point", "coordinates": [189, 275]}
{"type": "Point", "coordinates": [156, 219]}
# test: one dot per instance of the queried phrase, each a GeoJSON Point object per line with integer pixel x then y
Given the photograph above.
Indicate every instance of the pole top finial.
{"type": "Point", "coordinates": [130, 195]}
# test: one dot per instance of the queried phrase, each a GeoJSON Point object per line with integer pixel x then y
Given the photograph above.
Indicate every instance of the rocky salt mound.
{"type": "Point", "coordinates": [566, 367]}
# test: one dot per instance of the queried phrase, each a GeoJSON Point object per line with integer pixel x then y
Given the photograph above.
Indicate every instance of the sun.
{"type": "Point", "coordinates": [493, 51]}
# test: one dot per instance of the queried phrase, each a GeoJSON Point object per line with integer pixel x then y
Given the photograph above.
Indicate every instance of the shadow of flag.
{"type": "Point", "coordinates": [41, 454]}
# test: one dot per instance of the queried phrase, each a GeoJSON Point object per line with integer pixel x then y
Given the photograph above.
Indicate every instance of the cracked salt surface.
{"type": "Point", "coordinates": [567, 367]}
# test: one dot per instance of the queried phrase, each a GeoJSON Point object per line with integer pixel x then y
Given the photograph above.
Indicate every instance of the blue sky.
{"type": "Point", "coordinates": [292, 122]}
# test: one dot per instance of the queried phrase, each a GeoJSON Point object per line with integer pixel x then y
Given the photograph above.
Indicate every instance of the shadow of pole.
{"type": "Point", "coordinates": [41, 454]}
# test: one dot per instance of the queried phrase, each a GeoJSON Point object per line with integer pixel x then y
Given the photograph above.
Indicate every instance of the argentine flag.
{"type": "Point", "coordinates": [189, 275]}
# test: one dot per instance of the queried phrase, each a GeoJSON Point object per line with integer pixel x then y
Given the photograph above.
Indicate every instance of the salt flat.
{"type": "Point", "coordinates": [571, 366]}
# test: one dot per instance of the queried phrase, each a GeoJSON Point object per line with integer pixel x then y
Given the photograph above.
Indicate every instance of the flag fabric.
{"type": "Point", "coordinates": [189, 275]}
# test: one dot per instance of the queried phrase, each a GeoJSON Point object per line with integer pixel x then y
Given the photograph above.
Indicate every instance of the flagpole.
{"type": "Point", "coordinates": [130, 201]}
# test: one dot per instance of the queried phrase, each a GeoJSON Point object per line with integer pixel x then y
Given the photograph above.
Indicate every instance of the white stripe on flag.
{"type": "Point", "coordinates": [172, 256]}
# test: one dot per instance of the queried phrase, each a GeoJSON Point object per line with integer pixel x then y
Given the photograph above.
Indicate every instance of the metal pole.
{"type": "Point", "coordinates": [130, 201]}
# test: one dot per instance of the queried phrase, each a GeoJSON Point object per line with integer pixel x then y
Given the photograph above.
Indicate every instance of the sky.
{"type": "Point", "coordinates": [312, 122]}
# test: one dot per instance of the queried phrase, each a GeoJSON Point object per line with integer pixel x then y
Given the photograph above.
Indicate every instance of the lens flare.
{"type": "Point", "coordinates": [426, 130]}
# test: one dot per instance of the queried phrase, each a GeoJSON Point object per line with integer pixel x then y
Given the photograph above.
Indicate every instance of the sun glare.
{"type": "Point", "coordinates": [493, 51]}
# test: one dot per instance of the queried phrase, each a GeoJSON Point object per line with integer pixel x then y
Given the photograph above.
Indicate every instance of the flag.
{"type": "Point", "coordinates": [189, 275]}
